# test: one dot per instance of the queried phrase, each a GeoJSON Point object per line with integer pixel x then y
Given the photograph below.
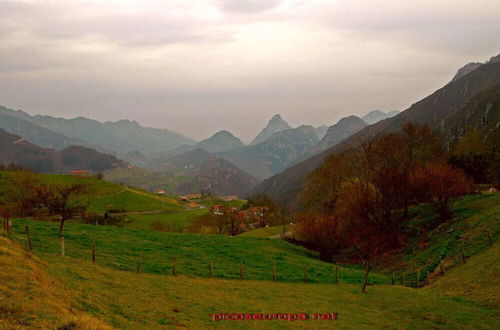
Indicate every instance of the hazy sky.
{"type": "Point", "coordinates": [201, 66]}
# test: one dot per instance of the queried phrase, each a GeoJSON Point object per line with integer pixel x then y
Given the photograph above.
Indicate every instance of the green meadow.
{"type": "Point", "coordinates": [120, 248]}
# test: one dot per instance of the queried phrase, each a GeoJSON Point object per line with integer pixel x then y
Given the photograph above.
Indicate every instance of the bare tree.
{"type": "Point", "coordinates": [65, 200]}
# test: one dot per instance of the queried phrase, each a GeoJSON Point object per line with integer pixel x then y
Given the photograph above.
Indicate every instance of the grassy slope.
{"type": "Point", "coordinates": [120, 248]}
{"type": "Point", "coordinates": [104, 194]}
{"type": "Point", "coordinates": [266, 232]}
{"type": "Point", "coordinates": [175, 220]}
{"type": "Point", "coordinates": [474, 216]}
{"type": "Point", "coordinates": [29, 298]}
{"type": "Point", "coordinates": [477, 279]}
{"type": "Point", "coordinates": [74, 289]}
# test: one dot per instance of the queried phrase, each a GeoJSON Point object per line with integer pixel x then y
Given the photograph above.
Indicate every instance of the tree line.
{"type": "Point", "coordinates": [356, 203]}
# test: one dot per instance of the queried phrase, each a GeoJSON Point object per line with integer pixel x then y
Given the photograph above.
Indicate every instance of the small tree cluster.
{"type": "Point", "coordinates": [33, 196]}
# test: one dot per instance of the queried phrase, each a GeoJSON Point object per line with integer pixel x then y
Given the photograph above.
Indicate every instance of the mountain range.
{"type": "Point", "coordinates": [465, 107]}
{"type": "Point", "coordinates": [17, 150]}
{"type": "Point", "coordinates": [190, 172]}
{"type": "Point", "coordinates": [464, 111]}
{"type": "Point", "coordinates": [113, 137]}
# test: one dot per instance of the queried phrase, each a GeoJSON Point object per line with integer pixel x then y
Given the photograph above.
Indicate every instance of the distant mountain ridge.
{"type": "Point", "coordinates": [209, 173]}
{"type": "Point", "coordinates": [275, 153]}
{"type": "Point", "coordinates": [16, 150]}
{"type": "Point", "coordinates": [337, 133]}
{"type": "Point", "coordinates": [38, 135]}
{"type": "Point", "coordinates": [436, 110]}
{"type": "Point", "coordinates": [220, 142]}
{"type": "Point", "coordinates": [376, 115]}
{"type": "Point", "coordinates": [121, 136]}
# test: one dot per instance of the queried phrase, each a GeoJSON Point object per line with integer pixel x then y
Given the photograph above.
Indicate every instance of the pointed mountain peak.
{"type": "Point", "coordinates": [276, 124]}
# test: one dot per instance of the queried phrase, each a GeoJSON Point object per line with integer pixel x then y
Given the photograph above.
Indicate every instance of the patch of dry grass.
{"type": "Point", "coordinates": [30, 299]}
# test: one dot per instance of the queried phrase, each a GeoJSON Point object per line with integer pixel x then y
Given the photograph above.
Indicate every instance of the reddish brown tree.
{"type": "Point", "coordinates": [324, 232]}
{"type": "Point", "coordinates": [440, 184]}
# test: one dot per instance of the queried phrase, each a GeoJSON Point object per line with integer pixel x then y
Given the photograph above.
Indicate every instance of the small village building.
{"type": "Point", "coordinates": [229, 198]}
{"type": "Point", "coordinates": [218, 209]}
{"type": "Point", "coordinates": [82, 173]}
{"type": "Point", "coordinates": [193, 196]}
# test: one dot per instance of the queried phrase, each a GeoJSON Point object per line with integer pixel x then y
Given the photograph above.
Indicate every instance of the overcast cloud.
{"type": "Point", "coordinates": [206, 65]}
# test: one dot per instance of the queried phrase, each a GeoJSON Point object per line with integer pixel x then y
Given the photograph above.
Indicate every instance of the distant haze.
{"type": "Point", "coordinates": [199, 66]}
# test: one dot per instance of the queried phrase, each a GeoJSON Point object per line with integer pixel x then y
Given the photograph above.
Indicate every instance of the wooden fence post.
{"type": "Point", "coordinates": [274, 271]}
{"type": "Point", "coordinates": [427, 278]}
{"type": "Point", "coordinates": [305, 274]}
{"type": "Point", "coordinates": [417, 281]}
{"type": "Point", "coordinates": [402, 279]}
{"type": "Point", "coordinates": [139, 262]}
{"type": "Point", "coordinates": [93, 251]}
{"type": "Point", "coordinates": [490, 243]}
{"type": "Point", "coordinates": [210, 269]}
{"type": "Point", "coordinates": [30, 245]}
{"type": "Point", "coordinates": [63, 247]}
{"type": "Point", "coordinates": [174, 262]}
{"type": "Point", "coordinates": [441, 268]}
{"type": "Point", "coordinates": [462, 252]}
{"type": "Point", "coordinates": [9, 227]}
{"type": "Point", "coordinates": [336, 273]}
{"type": "Point", "coordinates": [393, 279]}
{"type": "Point", "coordinates": [242, 270]}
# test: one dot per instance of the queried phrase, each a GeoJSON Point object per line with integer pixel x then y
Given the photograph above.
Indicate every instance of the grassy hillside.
{"type": "Point", "coordinates": [120, 248]}
{"type": "Point", "coordinates": [104, 195]}
{"type": "Point", "coordinates": [266, 232]}
{"type": "Point", "coordinates": [475, 215]}
{"type": "Point", "coordinates": [54, 292]}
{"type": "Point", "coordinates": [173, 221]}
{"type": "Point", "coordinates": [477, 279]}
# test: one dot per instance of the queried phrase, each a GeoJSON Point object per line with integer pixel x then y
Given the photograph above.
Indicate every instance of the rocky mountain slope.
{"type": "Point", "coordinates": [376, 115]}
{"type": "Point", "coordinates": [275, 153]}
{"type": "Point", "coordinates": [275, 125]}
{"type": "Point", "coordinates": [321, 131]}
{"type": "Point", "coordinates": [337, 133]}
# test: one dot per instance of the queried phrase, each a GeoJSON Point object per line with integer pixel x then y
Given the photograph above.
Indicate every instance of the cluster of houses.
{"type": "Point", "coordinates": [254, 216]}
{"type": "Point", "coordinates": [81, 173]}
{"type": "Point", "coordinates": [189, 198]}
